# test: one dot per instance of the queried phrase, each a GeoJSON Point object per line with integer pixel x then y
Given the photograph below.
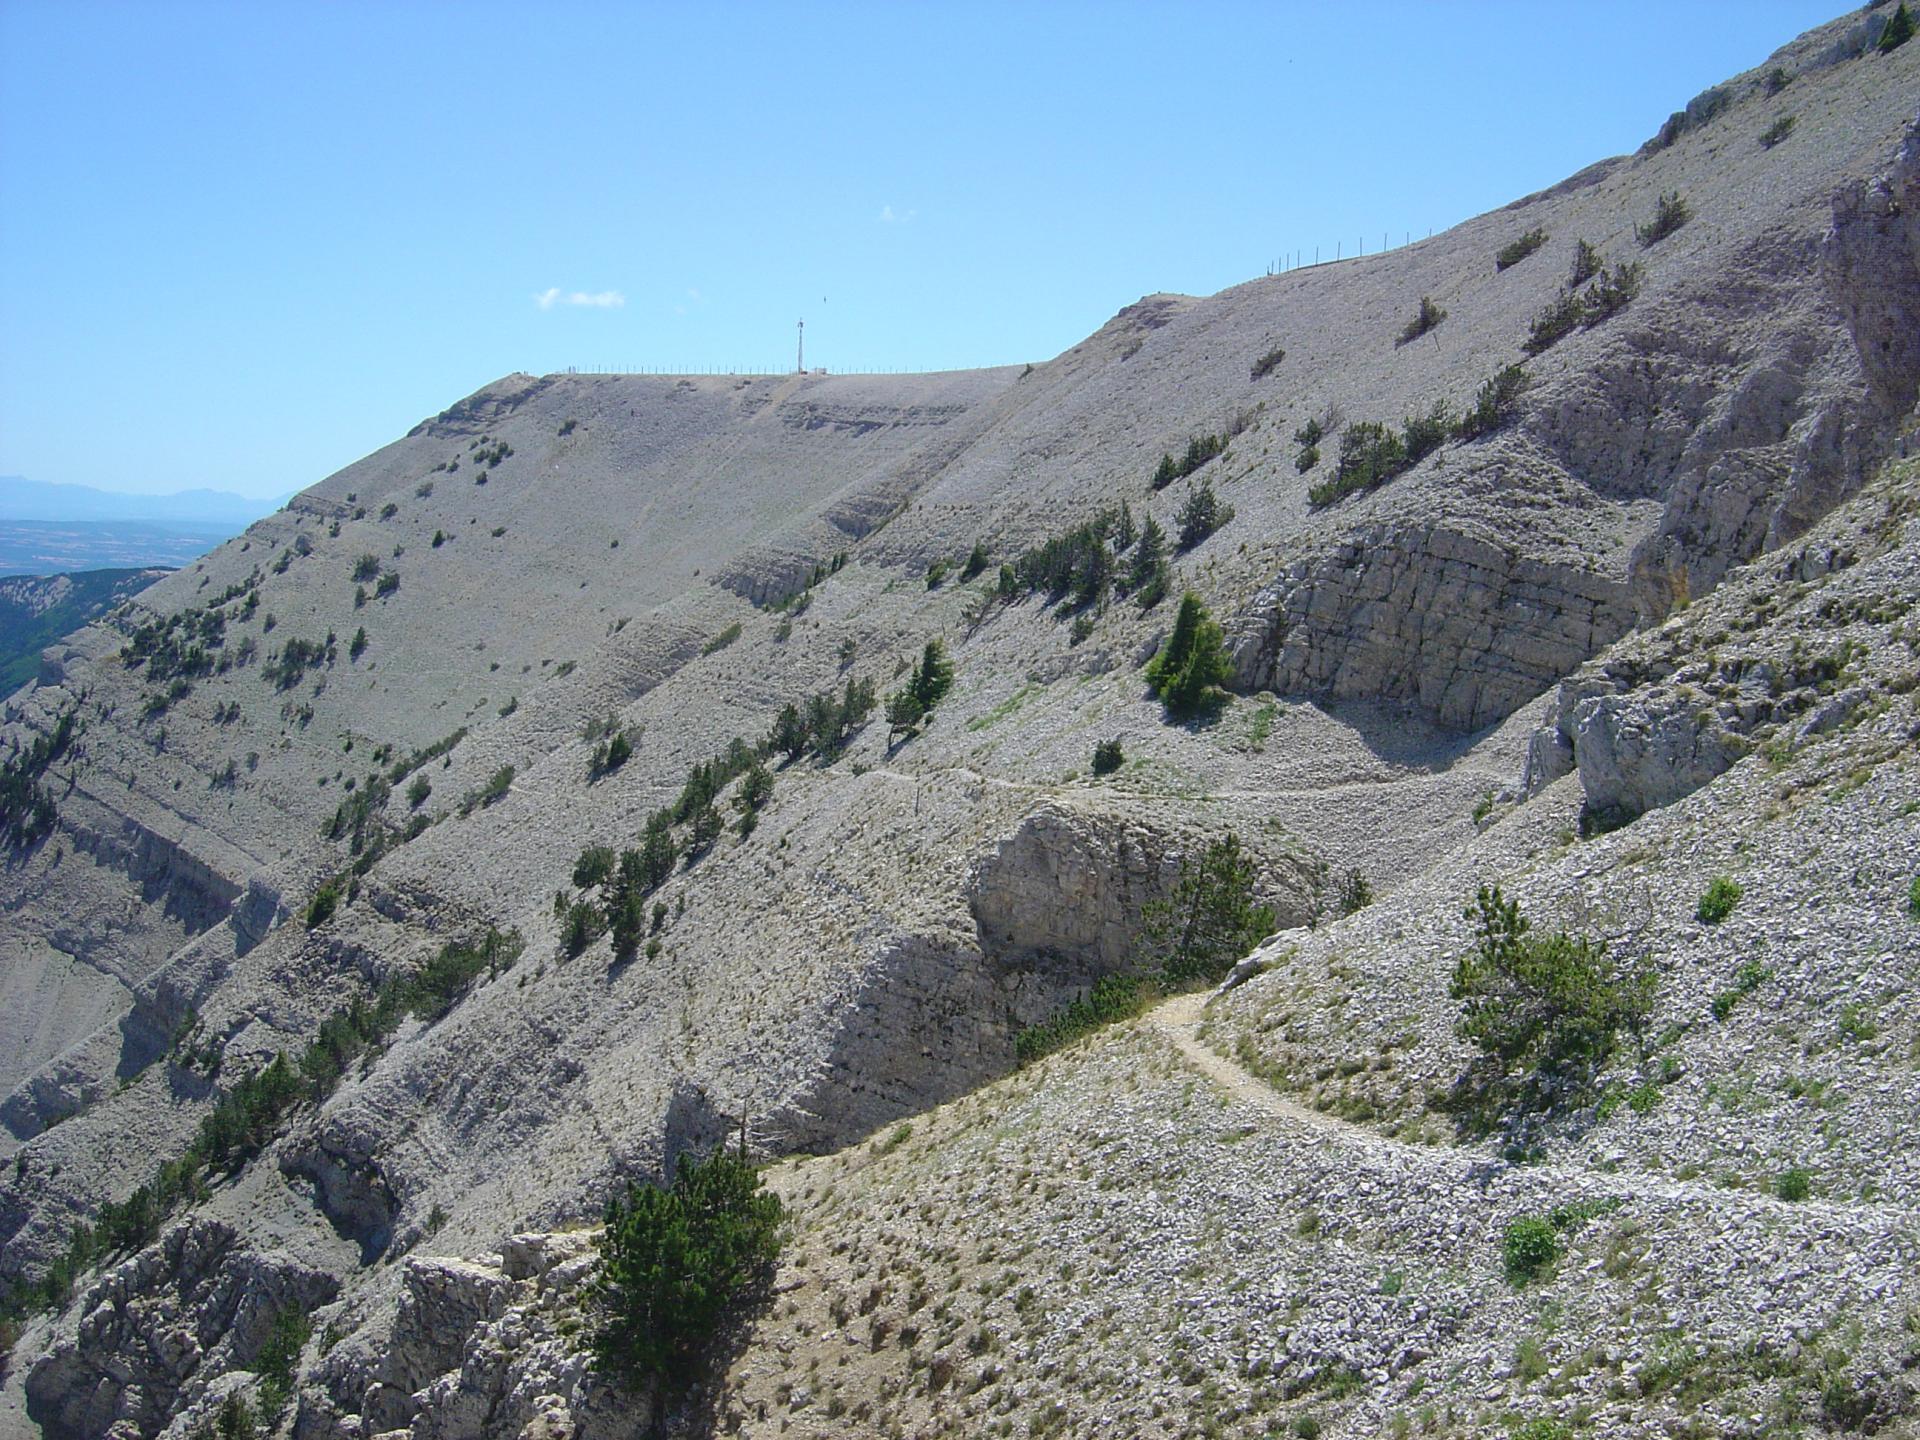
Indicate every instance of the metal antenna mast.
{"type": "Point", "coordinates": [800, 359]}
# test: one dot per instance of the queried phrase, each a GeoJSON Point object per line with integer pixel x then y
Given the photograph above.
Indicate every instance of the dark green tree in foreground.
{"type": "Point", "coordinates": [1547, 1007]}
{"type": "Point", "coordinates": [675, 1260]}
{"type": "Point", "coordinates": [1192, 666]}
{"type": "Point", "coordinates": [1211, 920]}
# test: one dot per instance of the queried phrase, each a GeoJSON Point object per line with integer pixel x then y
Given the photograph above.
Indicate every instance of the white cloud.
{"type": "Point", "coordinates": [891, 216]}
{"type": "Point", "coordinates": [595, 300]}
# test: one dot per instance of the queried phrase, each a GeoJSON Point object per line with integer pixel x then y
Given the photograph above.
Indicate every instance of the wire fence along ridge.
{"type": "Point", "coordinates": [1291, 260]}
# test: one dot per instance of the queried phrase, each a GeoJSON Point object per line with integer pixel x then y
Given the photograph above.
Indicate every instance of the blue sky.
{"type": "Point", "coordinates": [243, 245]}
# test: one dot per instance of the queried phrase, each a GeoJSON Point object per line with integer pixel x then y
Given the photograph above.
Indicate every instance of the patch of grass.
{"type": "Point", "coordinates": [1747, 979]}
{"type": "Point", "coordinates": [1005, 708]}
{"type": "Point", "coordinates": [1793, 1185]}
{"type": "Point", "coordinates": [720, 642]}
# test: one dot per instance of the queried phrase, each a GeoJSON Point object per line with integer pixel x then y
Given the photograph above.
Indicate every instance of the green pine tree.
{"type": "Point", "coordinates": [1211, 920]}
{"type": "Point", "coordinates": [1147, 572]}
{"type": "Point", "coordinates": [1899, 30]}
{"type": "Point", "coordinates": [1192, 666]}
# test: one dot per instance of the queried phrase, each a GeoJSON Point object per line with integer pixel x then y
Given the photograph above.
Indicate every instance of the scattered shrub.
{"type": "Point", "coordinates": [1749, 978]}
{"type": "Point", "coordinates": [1495, 406]}
{"type": "Point", "coordinates": [1370, 454]}
{"type": "Point", "coordinates": [1718, 900]}
{"type": "Point", "coordinates": [366, 567]}
{"type": "Point", "coordinates": [1612, 292]}
{"type": "Point", "coordinates": [275, 1362]}
{"type": "Point", "coordinates": [1546, 1004]}
{"type": "Point", "coordinates": [1421, 435]}
{"type": "Point", "coordinates": [1424, 319]}
{"type": "Point", "coordinates": [675, 1260]}
{"type": "Point", "coordinates": [1147, 570]}
{"type": "Point", "coordinates": [418, 792]}
{"type": "Point", "coordinates": [1200, 449]}
{"type": "Point", "coordinates": [1669, 214]}
{"type": "Point", "coordinates": [1586, 264]}
{"type": "Point", "coordinates": [28, 810]}
{"type": "Point", "coordinates": [1113, 998]}
{"type": "Point", "coordinates": [1264, 366]}
{"type": "Point", "coordinates": [1529, 1248]}
{"type": "Point", "coordinates": [936, 573]}
{"type": "Point", "coordinates": [611, 753]}
{"type": "Point", "coordinates": [1201, 515]}
{"type": "Point", "coordinates": [931, 680]}
{"type": "Point", "coordinates": [321, 907]}
{"type": "Point", "coordinates": [1107, 757]}
{"type": "Point", "coordinates": [977, 560]}
{"type": "Point", "coordinates": [1515, 251]}
{"type": "Point", "coordinates": [498, 784]}
{"type": "Point", "coordinates": [1913, 899]}
{"type": "Point", "coordinates": [1776, 132]}
{"type": "Point", "coordinates": [1553, 324]}
{"type": "Point", "coordinates": [1793, 1185]}
{"type": "Point", "coordinates": [1777, 80]}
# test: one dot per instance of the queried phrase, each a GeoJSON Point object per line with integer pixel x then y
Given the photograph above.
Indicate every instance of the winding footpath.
{"type": "Point", "coordinates": [1179, 1020]}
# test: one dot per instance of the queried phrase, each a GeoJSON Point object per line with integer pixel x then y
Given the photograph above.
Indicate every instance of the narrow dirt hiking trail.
{"type": "Point", "coordinates": [1179, 1020]}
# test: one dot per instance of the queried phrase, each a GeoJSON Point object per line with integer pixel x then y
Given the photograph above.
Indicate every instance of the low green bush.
{"type": "Point", "coordinates": [1717, 900]}
{"type": "Point", "coordinates": [1264, 366]}
{"type": "Point", "coordinates": [1107, 757]}
{"type": "Point", "coordinates": [1189, 670]}
{"type": "Point", "coordinates": [1426, 318]}
{"type": "Point", "coordinates": [1670, 212]}
{"type": "Point", "coordinates": [1114, 998]}
{"type": "Point", "coordinates": [1550, 1006]}
{"type": "Point", "coordinates": [1529, 1248]}
{"type": "Point", "coordinates": [1776, 132]}
{"type": "Point", "coordinates": [1515, 251]}
{"type": "Point", "coordinates": [1793, 1185]}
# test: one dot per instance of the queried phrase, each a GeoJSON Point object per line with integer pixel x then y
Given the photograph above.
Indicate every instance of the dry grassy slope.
{"type": "Point", "coordinates": [827, 975]}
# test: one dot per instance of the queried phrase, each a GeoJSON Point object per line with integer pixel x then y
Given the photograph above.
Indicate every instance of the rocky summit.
{"type": "Point", "coordinates": [618, 767]}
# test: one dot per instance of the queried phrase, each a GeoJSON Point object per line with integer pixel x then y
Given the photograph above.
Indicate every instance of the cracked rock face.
{"type": "Point", "coordinates": [157, 1329]}
{"type": "Point", "coordinates": [1464, 628]}
{"type": "Point", "coordinates": [485, 1350]}
{"type": "Point", "coordinates": [1871, 257]}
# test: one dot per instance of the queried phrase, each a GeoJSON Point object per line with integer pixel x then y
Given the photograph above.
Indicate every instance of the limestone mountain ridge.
{"type": "Point", "coordinates": [1660, 600]}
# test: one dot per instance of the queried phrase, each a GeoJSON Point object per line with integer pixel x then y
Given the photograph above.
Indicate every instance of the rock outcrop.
{"type": "Point", "coordinates": [1463, 627]}
{"type": "Point", "coordinates": [158, 1329]}
{"type": "Point", "coordinates": [484, 1350]}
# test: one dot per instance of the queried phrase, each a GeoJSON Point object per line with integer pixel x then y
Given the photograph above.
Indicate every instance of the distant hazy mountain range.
{"type": "Point", "coordinates": [47, 529]}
